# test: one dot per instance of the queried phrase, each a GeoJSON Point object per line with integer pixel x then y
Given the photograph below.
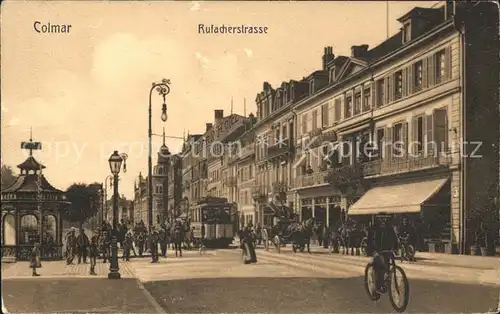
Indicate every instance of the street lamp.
{"type": "Point", "coordinates": [104, 213]}
{"type": "Point", "coordinates": [115, 164]}
{"type": "Point", "coordinates": [163, 89]}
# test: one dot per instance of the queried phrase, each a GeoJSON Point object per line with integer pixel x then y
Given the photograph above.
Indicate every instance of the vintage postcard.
{"type": "Point", "coordinates": [250, 156]}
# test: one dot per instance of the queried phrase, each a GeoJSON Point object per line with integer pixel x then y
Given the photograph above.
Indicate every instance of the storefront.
{"type": "Point", "coordinates": [426, 203]}
{"type": "Point", "coordinates": [324, 209]}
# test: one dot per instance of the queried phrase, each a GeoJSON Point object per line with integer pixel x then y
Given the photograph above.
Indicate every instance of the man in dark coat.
{"type": "Point", "coordinates": [153, 244]}
{"type": "Point", "coordinates": [94, 251]}
{"type": "Point", "coordinates": [82, 243]}
{"type": "Point", "coordinates": [71, 246]}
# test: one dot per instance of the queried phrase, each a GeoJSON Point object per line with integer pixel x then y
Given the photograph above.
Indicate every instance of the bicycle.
{"type": "Point", "coordinates": [390, 283]}
{"type": "Point", "coordinates": [407, 250]}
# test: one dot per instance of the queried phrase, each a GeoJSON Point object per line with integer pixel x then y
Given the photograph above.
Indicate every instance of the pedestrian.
{"type": "Point", "coordinates": [105, 246]}
{"type": "Point", "coordinates": [93, 251]}
{"type": "Point", "coordinates": [35, 259]}
{"type": "Point", "coordinates": [71, 246]}
{"type": "Point", "coordinates": [162, 238]}
{"type": "Point", "coordinates": [82, 242]}
{"type": "Point", "coordinates": [127, 246]}
{"type": "Point", "coordinates": [259, 234]}
{"type": "Point", "coordinates": [153, 247]}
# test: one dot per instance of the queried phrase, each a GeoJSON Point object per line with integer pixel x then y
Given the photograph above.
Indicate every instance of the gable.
{"type": "Point", "coordinates": [350, 67]}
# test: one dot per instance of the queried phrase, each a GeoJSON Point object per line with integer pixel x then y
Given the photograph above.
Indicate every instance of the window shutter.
{"type": "Point", "coordinates": [425, 81]}
{"type": "Point", "coordinates": [405, 139]}
{"type": "Point", "coordinates": [342, 102]}
{"type": "Point", "coordinates": [441, 129]}
{"type": "Point", "coordinates": [431, 70]}
{"type": "Point", "coordinates": [414, 137]}
{"type": "Point", "coordinates": [411, 80]}
{"type": "Point", "coordinates": [429, 135]}
{"type": "Point", "coordinates": [324, 115]}
{"type": "Point", "coordinates": [388, 143]}
{"type": "Point", "coordinates": [447, 63]}
{"type": "Point", "coordinates": [390, 91]}
{"type": "Point", "coordinates": [405, 81]}
{"type": "Point", "coordinates": [374, 94]}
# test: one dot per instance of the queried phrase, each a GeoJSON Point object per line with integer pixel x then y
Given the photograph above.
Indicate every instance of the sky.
{"type": "Point", "coordinates": [86, 93]}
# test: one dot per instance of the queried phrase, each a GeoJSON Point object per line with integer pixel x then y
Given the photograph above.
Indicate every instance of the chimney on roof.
{"type": "Point", "coordinates": [266, 86]}
{"type": "Point", "coordinates": [218, 115]}
{"type": "Point", "coordinates": [208, 126]}
{"type": "Point", "coordinates": [327, 57]}
{"type": "Point", "coordinates": [358, 51]}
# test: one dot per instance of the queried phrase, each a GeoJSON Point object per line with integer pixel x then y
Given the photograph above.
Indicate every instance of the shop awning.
{"type": "Point", "coordinates": [401, 198]}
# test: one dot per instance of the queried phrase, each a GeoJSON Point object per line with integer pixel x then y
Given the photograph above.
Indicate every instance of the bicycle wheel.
{"type": "Point", "coordinates": [370, 286]}
{"type": "Point", "coordinates": [399, 292]}
{"type": "Point", "coordinates": [411, 252]}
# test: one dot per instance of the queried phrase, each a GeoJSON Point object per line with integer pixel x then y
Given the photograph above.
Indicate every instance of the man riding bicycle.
{"type": "Point", "coordinates": [385, 242]}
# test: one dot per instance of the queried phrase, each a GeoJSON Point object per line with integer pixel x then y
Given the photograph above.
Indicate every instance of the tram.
{"type": "Point", "coordinates": [216, 214]}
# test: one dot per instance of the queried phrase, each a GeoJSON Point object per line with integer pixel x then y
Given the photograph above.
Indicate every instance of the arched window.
{"type": "Point", "coordinates": [160, 170]}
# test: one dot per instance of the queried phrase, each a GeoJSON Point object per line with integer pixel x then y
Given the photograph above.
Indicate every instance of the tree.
{"type": "Point", "coordinates": [7, 176]}
{"type": "Point", "coordinates": [85, 200]}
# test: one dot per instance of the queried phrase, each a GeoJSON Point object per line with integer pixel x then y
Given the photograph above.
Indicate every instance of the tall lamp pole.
{"type": "Point", "coordinates": [163, 89]}
{"type": "Point", "coordinates": [105, 211]}
{"type": "Point", "coordinates": [115, 164]}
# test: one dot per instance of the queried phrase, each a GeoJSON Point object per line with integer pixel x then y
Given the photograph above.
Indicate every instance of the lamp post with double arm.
{"type": "Point", "coordinates": [163, 89]}
{"type": "Point", "coordinates": [115, 165]}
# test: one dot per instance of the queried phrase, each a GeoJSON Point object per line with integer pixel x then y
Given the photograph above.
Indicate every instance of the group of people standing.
{"type": "Point", "coordinates": [156, 241]}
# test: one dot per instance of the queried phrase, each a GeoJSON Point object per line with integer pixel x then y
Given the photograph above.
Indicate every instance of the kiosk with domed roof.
{"type": "Point", "coordinates": [31, 199]}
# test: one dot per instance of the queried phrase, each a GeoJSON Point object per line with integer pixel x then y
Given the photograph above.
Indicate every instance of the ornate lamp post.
{"type": "Point", "coordinates": [115, 164]}
{"type": "Point", "coordinates": [163, 89]}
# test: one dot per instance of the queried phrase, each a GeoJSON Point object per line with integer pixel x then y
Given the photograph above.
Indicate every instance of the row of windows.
{"type": "Point", "coordinates": [425, 135]}
{"type": "Point", "coordinates": [422, 74]}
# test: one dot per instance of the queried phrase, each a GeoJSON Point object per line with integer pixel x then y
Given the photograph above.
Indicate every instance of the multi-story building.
{"type": "Point", "coordinates": [160, 192]}
{"type": "Point", "coordinates": [222, 141]}
{"type": "Point", "coordinates": [160, 184]}
{"type": "Point", "coordinates": [275, 146]}
{"type": "Point", "coordinates": [427, 101]}
{"type": "Point", "coordinates": [243, 177]}
{"type": "Point", "coordinates": [174, 186]}
{"type": "Point", "coordinates": [141, 199]}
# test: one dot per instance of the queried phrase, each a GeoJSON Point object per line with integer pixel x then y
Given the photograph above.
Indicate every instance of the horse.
{"type": "Point", "coordinates": [355, 238]}
{"type": "Point", "coordinates": [299, 234]}
{"type": "Point", "coordinates": [178, 235]}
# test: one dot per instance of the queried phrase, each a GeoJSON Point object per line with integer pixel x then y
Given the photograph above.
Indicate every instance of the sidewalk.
{"type": "Point", "coordinates": [425, 258]}
{"type": "Point", "coordinates": [59, 269]}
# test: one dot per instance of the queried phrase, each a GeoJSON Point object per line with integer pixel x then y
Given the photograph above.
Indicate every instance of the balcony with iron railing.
{"type": "Point", "coordinates": [282, 147]}
{"type": "Point", "coordinates": [311, 180]}
{"type": "Point", "coordinates": [247, 150]}
{"type": "Point", "coordinates": [260, 192]}
{"type": "Point", "coordinates": [396, 165]}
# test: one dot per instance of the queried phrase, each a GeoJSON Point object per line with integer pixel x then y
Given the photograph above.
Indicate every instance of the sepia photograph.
{"type": "Point", "coordinates": [250, 156]}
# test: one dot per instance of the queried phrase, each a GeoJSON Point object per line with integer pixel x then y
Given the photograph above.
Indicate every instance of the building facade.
{"type": "Point", "coordinates": [409, 127]}
{"type": "Point", "coordinates": [175, 186]}
{"type": "Point", "coordinates": [412, 98]}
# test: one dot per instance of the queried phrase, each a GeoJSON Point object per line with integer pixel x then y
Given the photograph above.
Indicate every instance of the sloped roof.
{"type": "Point", "coordinates": [31, 164]}
{"type": "Point", "coordinates": [29, 183]}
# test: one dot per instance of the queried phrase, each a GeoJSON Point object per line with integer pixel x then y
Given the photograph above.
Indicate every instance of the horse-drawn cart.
{"type": "Point", "coordinates": [298, 234]}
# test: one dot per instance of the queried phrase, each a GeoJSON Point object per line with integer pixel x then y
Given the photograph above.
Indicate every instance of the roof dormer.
{"type": "Point", "coordinates": [418, 21]}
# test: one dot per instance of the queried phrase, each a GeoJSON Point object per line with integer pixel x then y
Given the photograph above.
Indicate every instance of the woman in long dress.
{"type": "Point", "coordinates": [35, 259]}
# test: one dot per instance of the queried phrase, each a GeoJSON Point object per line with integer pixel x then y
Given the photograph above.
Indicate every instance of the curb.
{"type": "Point", "coordinates": [4, 309]}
